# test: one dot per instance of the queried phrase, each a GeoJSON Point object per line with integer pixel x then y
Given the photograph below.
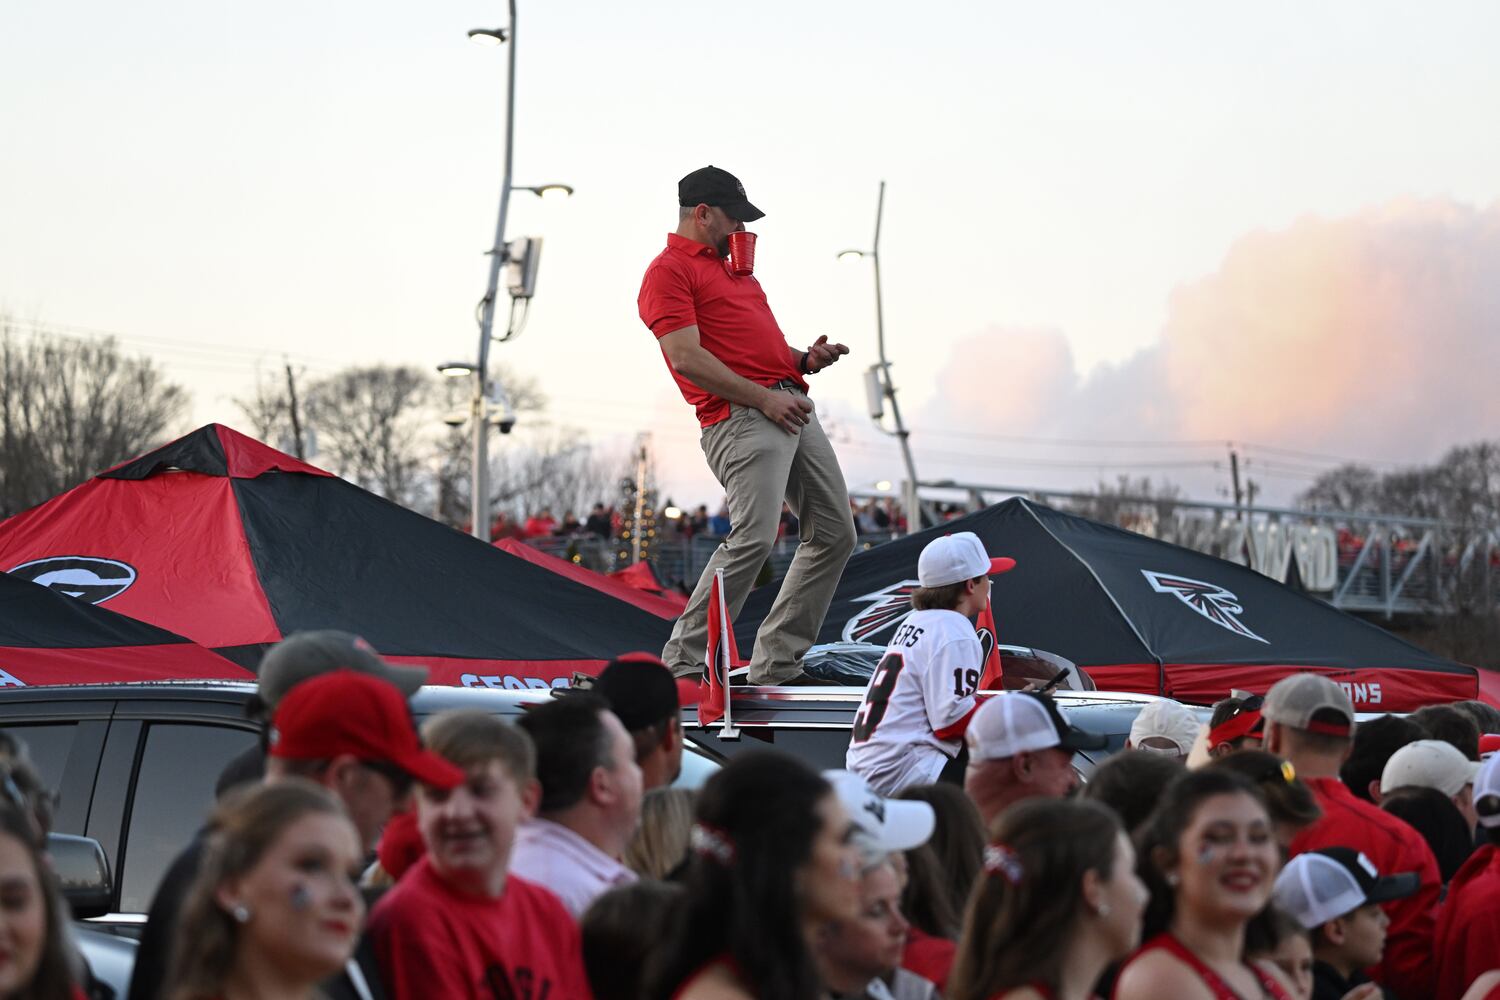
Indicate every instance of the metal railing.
{"type": "Point", "coordinates": [1383, 564]}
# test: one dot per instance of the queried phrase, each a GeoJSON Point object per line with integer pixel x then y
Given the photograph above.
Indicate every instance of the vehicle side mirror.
{"type": "Point", "coordinates": [83, 872]}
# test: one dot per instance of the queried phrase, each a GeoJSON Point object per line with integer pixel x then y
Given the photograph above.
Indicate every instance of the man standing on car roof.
{"type": "Point", "coordinates": [909, 729]}
{"type": "Point", "coordinates": [759, 430]}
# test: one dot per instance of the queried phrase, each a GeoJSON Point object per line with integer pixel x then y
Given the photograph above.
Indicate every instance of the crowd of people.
{"type": "Point", "coordinates": [349, 855]}
{"type": "Point", "coordinates": [603, 521]}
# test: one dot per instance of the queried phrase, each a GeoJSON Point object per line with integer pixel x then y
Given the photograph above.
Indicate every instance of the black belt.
{"type": "Point", "coordinates": [786, 384]}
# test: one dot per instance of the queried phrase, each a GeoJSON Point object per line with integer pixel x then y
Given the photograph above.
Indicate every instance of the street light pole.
{"type": "Point", "coordinates": [909, 497]}
{"type": "Point", "coordinates": [480, 504]}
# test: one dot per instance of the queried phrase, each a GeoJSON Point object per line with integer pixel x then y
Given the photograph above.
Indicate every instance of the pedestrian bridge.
{"type": "Point", "coordinates": [1382, 564]}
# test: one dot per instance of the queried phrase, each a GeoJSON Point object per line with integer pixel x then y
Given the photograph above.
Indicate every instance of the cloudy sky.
{"type": "Point", "coordinates": [1117, 236]}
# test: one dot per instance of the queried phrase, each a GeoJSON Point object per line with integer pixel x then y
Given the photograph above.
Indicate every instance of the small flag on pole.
{"type": "Point", "coordinates": [718, 661]}
{"type": "Point", "coordinates": [993, 676]}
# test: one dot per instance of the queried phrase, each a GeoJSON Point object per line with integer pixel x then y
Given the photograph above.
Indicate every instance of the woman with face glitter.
{"type": "Point", "coordinates": [1210, 857]}
{"type": "Point", "coordinates": [274, 910]}
{"type": "Point", "coordinates": [772, 863]}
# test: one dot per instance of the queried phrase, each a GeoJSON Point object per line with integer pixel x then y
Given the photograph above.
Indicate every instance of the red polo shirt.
{"type": "Point", "coordinates": [689, 284]}
{"type": "Point", "coordinates": [1395, 847]}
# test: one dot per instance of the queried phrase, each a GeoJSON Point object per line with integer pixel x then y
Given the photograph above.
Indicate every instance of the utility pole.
{"type": "Point", "coordinates": [291, 392]}
{"type": "Point", "coordinates": [1234, 474]}
{"type": "Point", "coordinates": [909, 497]}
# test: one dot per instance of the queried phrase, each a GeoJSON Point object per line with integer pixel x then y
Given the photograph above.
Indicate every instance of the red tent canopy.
{"type": "Point", "coordinates": [643, 577]}
{"type": "Point", "coordinates": [233, 544]}
{"type": "Point", "coordinates": [662, 607]}
{"type": "Point", "coordinates": [1489, 687]}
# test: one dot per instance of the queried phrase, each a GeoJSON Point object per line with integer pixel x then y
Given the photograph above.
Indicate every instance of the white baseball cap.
{"type": "Point", "coordinates": [1023, 722]}
{"type": "Point", "coordinates": [1167, 720]}
{"type": "Point", "coordinates": [955, 558]}
{"type": "Point", "coordinates": [1319, 886]}
{"type": "Point", "coordinates": [881, 825]}
{"type": "Point", "coordinates": [1429, 764]}
{"type": "Point", "coordinates": [1487, 793]}
{"type": "Point", "coordinates": [1296, 699]}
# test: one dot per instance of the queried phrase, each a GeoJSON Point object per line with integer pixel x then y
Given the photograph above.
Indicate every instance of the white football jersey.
{"type": "Point", "coordinates": [924, 684]}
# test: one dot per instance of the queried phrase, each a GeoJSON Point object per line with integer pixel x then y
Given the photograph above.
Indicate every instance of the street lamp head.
{"type": "Point", "coordinates": [851, 254]}
{"type": "Point", "coordinates": [487, 36]}
{"type": "Point", "coordinates": [546, 191]}
{"type": "Point", "coordinates": [455, 369]}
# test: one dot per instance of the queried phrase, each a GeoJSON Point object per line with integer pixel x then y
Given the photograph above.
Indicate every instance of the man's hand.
{"type": "Point", "coordinates": [785, 410]}
{"type": "Point", "coordinates": [822, 354]}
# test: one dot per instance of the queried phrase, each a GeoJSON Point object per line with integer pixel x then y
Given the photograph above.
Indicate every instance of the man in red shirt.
{"type": "Point", "coordinates": [1309, 721]}
{"type": "Point", "coordinates": [760, 433]}
{"type": "Point", "coordinates": [458, 924]}
{"type": "Point", "coordinates": [1468, 929]}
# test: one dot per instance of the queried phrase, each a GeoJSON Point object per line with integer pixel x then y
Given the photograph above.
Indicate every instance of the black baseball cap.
{"type": "Point", "coordinates": [642, 691]}
{"type": "Point", "coordinates": [719, 188]}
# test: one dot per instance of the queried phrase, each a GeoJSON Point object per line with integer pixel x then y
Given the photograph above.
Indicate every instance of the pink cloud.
{"type": "Point", "coordinates": [1376, 334]}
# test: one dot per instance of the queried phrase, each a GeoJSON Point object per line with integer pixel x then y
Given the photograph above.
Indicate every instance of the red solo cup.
{"type": "Point", "coordinates": [741, 254]}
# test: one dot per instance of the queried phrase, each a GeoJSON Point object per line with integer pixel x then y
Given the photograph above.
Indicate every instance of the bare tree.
{"type": "Point", "coordinates": [380, 427]}
{"type": "Point", "coordinates": [1137, 504]}
{"type": "Point", "coordinates": [70, 408]}
{"type": "Point", "coordinates": [557, 469]}
{"type": "Point", "coordinates": [1347, 489]}
{"type": "Point", "coordinates": [374, 427]}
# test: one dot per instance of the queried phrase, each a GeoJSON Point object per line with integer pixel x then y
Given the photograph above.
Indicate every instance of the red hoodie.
{"type": "Point", "coordinates": [1394, 846]}
{"type": "Point", "coordinates": [1468, 927]}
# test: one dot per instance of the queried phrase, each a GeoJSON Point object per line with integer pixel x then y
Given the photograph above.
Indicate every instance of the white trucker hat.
{"type": "Point", "coordinates": [955, 558]}
{"type": "Point", "coordinates": [1319, 886]}
{"type": "Point", "coordinates": [881, 825]}
{"type": "Point", "coordinates": [1023, 722]}
{"type": "Point", "coordinates": [1429, 764]}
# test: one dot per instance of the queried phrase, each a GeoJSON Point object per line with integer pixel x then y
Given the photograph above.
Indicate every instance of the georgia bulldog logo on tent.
{"type": "Point", "coordinates": [887, 609]}
{"type": "Point", "coordinates": [88, 578]}
{"type": "Point", "coordinates": [1208, 599]}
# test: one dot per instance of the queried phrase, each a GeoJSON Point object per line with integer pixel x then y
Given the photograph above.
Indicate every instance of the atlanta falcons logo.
{"type": "Point", "coordinates": [1208, 599]}
{"type": "Point", "coordinates": [887, 610]}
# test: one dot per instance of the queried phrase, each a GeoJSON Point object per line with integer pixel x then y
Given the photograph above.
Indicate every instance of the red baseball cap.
{"type": "Point", "coordinates": [345, 712]}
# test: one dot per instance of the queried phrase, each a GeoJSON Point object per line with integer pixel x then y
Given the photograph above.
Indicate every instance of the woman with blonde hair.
{"type": "Point", "coordinates": [274, 910]}
{"type": "Point", "coordinates": [1058, 901]}
{"type": "Point", "coordinates": [661, 840]}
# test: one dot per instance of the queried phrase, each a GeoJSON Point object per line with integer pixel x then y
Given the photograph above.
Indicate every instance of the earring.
{"type": "Point", "coordinates": [241, 913]}
{"type": "Point", "coordinates": [1102, 910]}
{"type": "Point", "coordinates": [1172, 879]}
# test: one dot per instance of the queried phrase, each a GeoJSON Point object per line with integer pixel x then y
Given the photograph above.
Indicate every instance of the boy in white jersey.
{"type": "Point", "coordinates": [921, 695]}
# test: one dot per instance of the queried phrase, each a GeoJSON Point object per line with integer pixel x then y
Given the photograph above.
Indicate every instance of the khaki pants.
{"type": "Point", "coordinates": [759, 465]}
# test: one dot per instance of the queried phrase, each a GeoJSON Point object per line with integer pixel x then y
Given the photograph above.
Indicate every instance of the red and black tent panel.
{"type": "Point", "coordinates": [233, 544]}
{"type": "Point", "coordinates": [1140, 614]}
{"type": "Point", "coordinates": [612, 584]}
{"type": "Point", "coordinates": [48, 638]}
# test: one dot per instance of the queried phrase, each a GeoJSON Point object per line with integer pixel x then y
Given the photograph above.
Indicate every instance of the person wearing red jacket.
{"type": "Point", "coordinates": [1468, 929]}
{"type": "Point", "coordinates": [459, 924]}
{"type": "Point", "coordinates": [1309, 721]}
